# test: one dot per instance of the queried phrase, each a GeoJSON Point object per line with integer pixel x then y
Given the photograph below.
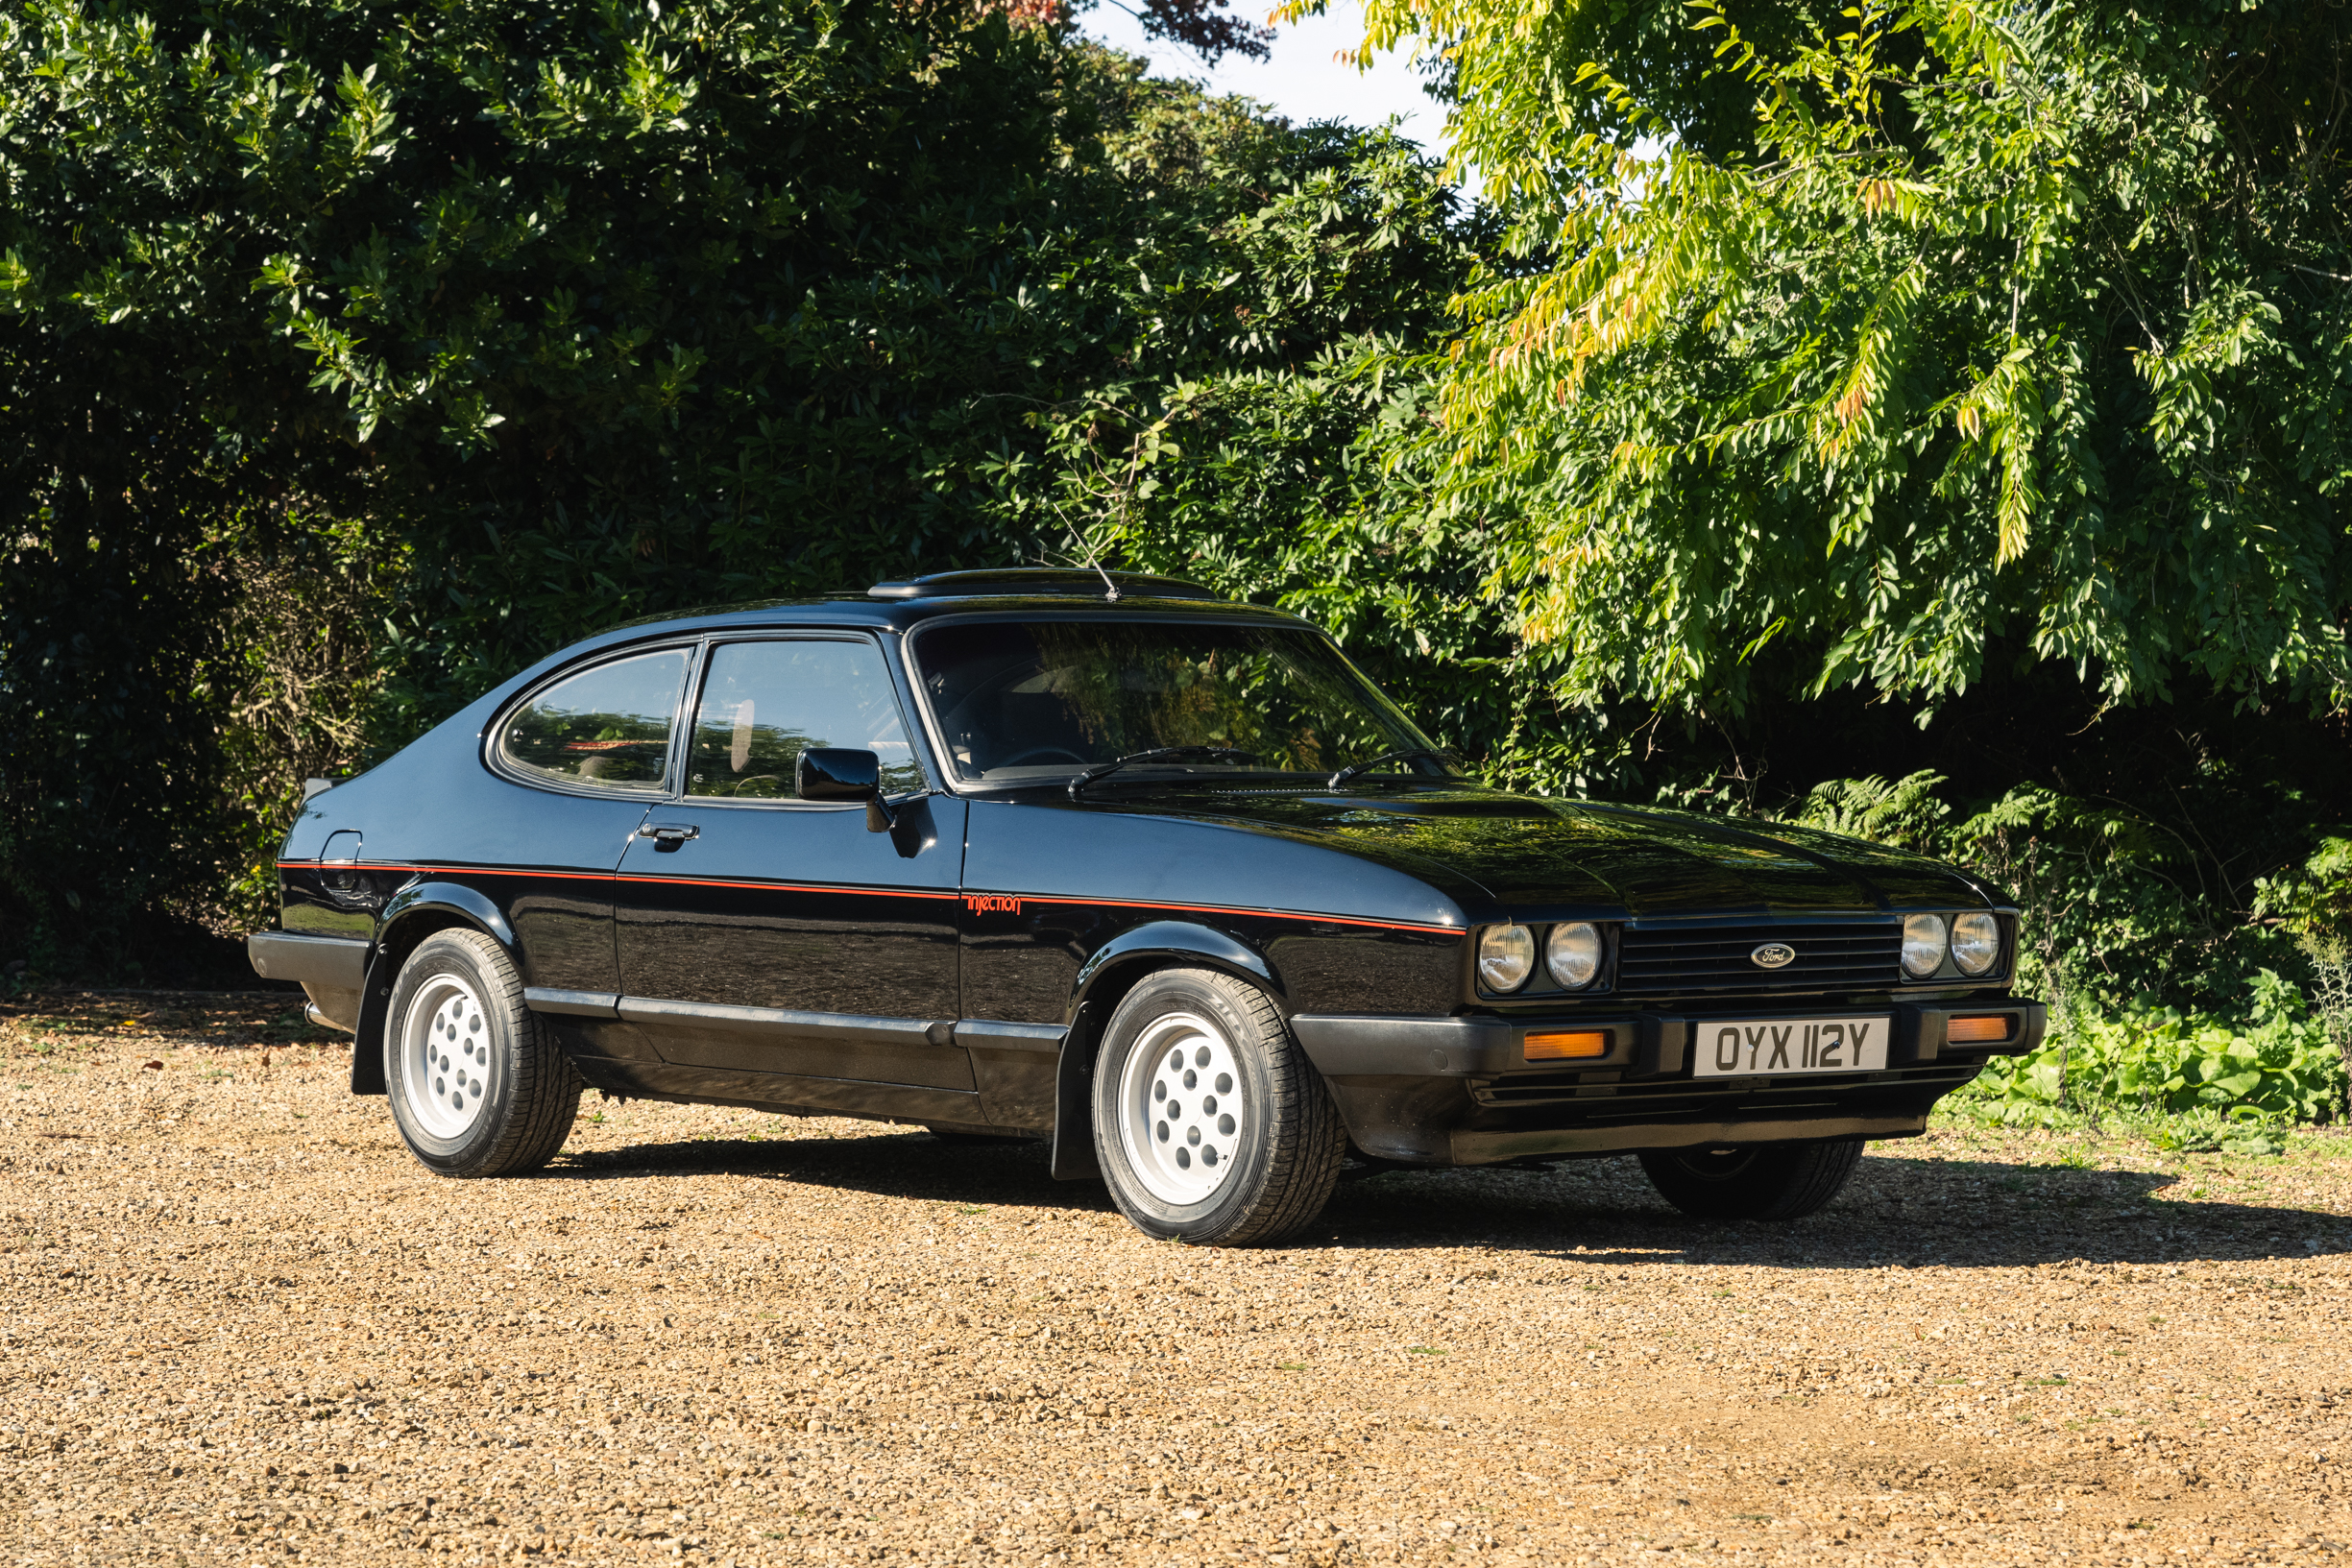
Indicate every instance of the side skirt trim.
{"type": "Point", "coordinates": [782, 1020]}
{"type": "Point", "coordinates": [572, 1003]}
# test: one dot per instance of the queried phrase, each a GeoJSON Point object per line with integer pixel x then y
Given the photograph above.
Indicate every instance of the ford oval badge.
{"type": "Point", "coordinates": [1773, 955]}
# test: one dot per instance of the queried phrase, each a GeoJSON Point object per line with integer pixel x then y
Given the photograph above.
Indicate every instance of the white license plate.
{"type": "Point", "coordinates": [1740, 1047]}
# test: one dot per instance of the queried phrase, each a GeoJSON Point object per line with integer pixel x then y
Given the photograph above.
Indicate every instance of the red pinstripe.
{"type": "Point", "coordinates": [883, 892]}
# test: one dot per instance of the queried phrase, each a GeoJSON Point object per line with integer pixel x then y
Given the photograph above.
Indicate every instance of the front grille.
{"type": "Point", "coordinates": [1674, 961]}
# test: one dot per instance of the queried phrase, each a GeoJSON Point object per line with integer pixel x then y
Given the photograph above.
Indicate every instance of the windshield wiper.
{"type": "Point", "coordinates": [1403, 753]}
{"type": "Point", "coordinates": [1160, 753]}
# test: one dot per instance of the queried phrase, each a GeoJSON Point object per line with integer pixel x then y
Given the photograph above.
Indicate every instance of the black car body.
{"type": "Point", "coordinates": [933, 945]}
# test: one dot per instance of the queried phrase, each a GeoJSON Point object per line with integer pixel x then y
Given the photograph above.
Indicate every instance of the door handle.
{"type": "Point", "coordinates": [669, 833]}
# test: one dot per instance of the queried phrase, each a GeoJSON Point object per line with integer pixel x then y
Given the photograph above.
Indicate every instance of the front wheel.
{"type": "Point", "coordinates": [1210, 1124]}
{"type": "Point", "coordinates": [1785, 1181]}
{"type": "Point", "coordinates": [480, 1087]}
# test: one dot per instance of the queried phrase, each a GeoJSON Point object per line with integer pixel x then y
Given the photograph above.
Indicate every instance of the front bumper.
{"type": "Point", "coordinates": [1461, 1091]}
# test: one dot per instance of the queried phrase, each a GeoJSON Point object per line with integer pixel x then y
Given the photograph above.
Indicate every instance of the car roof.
{"type": "Point", "coordinates": [902, 606]}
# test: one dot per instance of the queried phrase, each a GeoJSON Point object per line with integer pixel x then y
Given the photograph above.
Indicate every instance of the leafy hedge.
{"type": "Point", "coordinates": [572, 314]}
{"type": "Point", "coordinates": [2109, 915]}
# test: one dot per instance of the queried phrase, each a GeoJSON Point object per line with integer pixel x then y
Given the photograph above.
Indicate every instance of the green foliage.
{"type": "Point", "coordinates": [294, 685]}
{"type": "Point", "coordinates": [1904, 815]}
{"type": "Point", "coordinates": [2117, 902]}
{"type": "Point", "coordinates": [2106, 922]}
{"type": "Point", "coordinates": [1909, 339]}
{"type": "Point", "coordinates": [1303, 477]}
{"type": "Point", "coordinates": [2270, 1062]}
{"type": "Point", "coordinates": [589, 312]}
{"type": "Point", "coordinates": [2314, 900]}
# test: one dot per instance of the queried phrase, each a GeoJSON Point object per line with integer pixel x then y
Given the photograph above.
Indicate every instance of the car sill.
{"type": "Point", "coordinates": [780, 1020]}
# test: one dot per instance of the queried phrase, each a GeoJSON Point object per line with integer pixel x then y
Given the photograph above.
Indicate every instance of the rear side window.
{"type": "Point", "coordinates": [764, 703]}
{"type": "Point", "coordinates": [606, 728]}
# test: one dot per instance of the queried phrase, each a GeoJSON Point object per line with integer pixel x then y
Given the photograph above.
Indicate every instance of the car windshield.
{"type": "Point", "coordinates": [1026, 701]}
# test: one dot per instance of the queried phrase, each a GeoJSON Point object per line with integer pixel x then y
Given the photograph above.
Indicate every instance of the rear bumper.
{"type": "Point", "coordinates": [332, 970]}
{"type": "Point", "coordinates": [1461, 1091]}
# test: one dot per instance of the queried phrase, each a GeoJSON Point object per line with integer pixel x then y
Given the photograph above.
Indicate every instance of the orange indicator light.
{"type": "Point", "coordinates": [1963, 1031]}
{"type": "Point", "coordinates": [1567, 1044]}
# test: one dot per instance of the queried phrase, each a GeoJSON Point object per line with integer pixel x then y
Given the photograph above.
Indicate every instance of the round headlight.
{"type": "Point", "coordinates": [1976, 943]}
{"type": "Point", "coordinates": [1506, 956]}
{"type": "Point", "coordinates": [1923, 945]}
{"type": "Point", "coordinates": [1573, 954]}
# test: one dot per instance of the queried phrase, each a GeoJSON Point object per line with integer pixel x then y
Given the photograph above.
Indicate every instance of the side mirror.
{"type": "Point", "coordinates": [836, 773]}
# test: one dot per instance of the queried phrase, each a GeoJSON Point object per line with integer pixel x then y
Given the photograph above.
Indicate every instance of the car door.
{"type": "Point", "coordinates": [582, 757]}
{"type": "Point", "coordinates": [760, 933]}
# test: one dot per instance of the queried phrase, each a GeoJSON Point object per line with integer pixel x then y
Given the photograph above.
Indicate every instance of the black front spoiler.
{"type": "Point", "coordinates": [1461, 1091]}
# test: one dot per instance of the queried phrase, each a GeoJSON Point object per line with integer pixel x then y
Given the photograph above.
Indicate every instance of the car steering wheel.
{"type": "Point", "coordinates": [1043, 752]}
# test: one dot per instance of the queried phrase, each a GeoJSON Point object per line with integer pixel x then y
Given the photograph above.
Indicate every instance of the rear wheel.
{"type": "Point", "coordinates": [1209, 1122]}
{"type": "Point", "coordinates": [478, 1085]}
{"type": "Point", "coordinates": [1784, 1181]}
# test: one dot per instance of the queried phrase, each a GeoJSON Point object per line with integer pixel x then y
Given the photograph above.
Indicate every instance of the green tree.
{"type": "Point", "coordinates": [1868, 347]}
{"type": "Point", "coordinates": [498, 323]}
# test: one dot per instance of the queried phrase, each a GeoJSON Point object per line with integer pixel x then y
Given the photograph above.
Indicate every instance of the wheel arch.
{"type": "Point", "coordinates": [414, 914]}
{"type": "Point", "coordinates": [1103, 982]}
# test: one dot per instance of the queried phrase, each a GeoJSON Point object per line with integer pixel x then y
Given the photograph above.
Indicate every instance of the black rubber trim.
{"type": "Point", "coordinates": [784, 1021]}
{"type": "Point", "coordinates": [1925, 1028]}
{"type": "Point", "coordinates": [1345, 1046]}
{"type": "Point", "coordinates": [334, 963]}
{"type": "Point", "coordinates": [539, 998]}
{"type": "Point", "coordinates": [1496, 1147]}
{"type": "Point", "coordinates": [1074, 1157]}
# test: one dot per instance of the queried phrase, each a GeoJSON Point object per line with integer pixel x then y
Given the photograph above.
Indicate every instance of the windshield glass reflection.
{"type": "Point", "coordinates": [1025, 702]}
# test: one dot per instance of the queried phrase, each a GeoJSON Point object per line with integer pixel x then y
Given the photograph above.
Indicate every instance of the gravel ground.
{"type": "Point", "coordinates": [243, 1326]}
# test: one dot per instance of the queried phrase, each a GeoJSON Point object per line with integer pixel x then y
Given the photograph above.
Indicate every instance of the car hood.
{"type": "Point", "coordinates": [1541, 857]}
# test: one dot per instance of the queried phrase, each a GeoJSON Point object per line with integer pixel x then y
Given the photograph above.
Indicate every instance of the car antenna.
{"type": "Point", "coordinates": [1110, 590]}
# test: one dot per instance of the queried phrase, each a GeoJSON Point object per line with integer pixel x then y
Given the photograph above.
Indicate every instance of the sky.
{"type": "Point", "coordinates": [1301, 80]}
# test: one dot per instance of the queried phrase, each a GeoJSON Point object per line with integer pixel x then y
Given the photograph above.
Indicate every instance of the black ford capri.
{"type": "Point", "coordinates": [1156, 876]}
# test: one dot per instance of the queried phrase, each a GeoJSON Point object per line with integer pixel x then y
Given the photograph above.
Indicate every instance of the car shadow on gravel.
{"type": "Point", "coordinates": [1953, 1213]}
{"type": "Point", "coordinates": [911, 1165]}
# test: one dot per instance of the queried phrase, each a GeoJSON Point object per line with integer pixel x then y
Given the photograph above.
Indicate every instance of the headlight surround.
{"type": "Point", "coordinates": [1976, 943]}
{"type": "Point", "coordinates": [1573, 953]}
{"type": "Point", "coordinates": [1923, 945]}
{"type": "Point", "coordinates": [1506, 956]}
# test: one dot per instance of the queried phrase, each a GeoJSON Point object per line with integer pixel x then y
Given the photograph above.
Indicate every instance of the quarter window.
{"type": "Point", "coordinates": [607, 728]}
{"type": "Point", "coordinates": [764, 703]}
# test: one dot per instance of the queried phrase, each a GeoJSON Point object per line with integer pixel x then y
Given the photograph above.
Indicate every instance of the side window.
{"type": "Point", "coordinates": [607, 727]}
{"type": "Point", "coordinates": [764, 703]}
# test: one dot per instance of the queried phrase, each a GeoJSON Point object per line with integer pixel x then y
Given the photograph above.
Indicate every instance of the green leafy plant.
{"type": "Point", "coordinates": [2275, 1063]}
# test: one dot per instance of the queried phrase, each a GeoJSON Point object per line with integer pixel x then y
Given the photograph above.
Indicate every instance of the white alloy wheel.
{"type": "Point", "coordinates": [479, 1085]}
{"type": "Point", "coordinates": [444, 1056]}
{"type": "Point", "coordinates": [1209, 1122]}
{"type": "Point", "coordinates": [1186, 1110]}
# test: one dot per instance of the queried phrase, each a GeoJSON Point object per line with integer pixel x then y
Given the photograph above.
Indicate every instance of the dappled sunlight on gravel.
{"type": "Point", "coordinates": [243, 1326]}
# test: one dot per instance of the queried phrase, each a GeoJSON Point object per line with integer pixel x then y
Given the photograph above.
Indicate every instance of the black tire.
{"type": "Point", "coordinates": [1781, 1181]}
{"type": "Point", "coordinates": [521, 1093]}
{"type": "Point", "coordinates": [1280, 1154]}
